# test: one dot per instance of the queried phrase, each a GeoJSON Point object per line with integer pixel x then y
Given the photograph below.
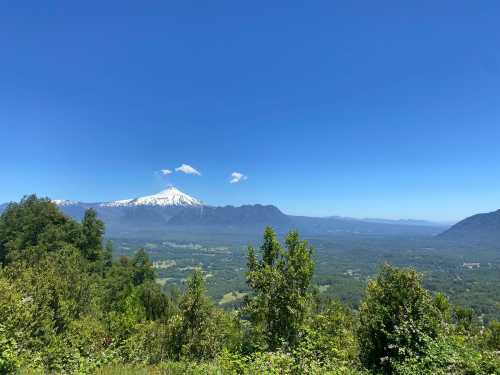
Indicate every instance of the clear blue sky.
{"type": "Point", "coordinates": [354, 108]}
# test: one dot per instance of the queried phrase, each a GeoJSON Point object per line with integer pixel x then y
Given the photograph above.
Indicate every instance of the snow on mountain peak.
{"type": "Point", "coordinates": [64, 202]}
{"type": "Point", "coordinates": [168, 197]}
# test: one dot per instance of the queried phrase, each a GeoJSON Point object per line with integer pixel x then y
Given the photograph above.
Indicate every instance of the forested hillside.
{"type": "Point", "coordinates": [68, 306]}
{"type": "Point", "coordinates": [480, 228]}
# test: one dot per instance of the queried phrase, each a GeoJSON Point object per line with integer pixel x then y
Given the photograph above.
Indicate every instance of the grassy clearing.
{"type": "Point", "coordinates": [231, 297]}
{"type": "Point", "coordinates": [323, 288]}
{"type": "Point", "coordinates": [161, 280]}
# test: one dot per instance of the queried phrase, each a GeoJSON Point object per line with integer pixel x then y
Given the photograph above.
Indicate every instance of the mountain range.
{"type": "Point", "coordinates": [480, 228]}
{"type": "Point", "coordinates": [173, 210]}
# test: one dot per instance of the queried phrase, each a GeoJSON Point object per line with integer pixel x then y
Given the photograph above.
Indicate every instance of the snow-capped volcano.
{"type": "Point", "coordinates": [168, 197]}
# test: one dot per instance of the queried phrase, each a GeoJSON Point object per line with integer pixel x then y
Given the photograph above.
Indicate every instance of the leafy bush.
{"type": "Point", "coordinates": [450, 355]}
{"type": "Point", "coordinates": [151, 343]}
{"type": "Point", "coordinates": [8, 353]}
{"type": "Point", "coordinates": [328, 340]}
{"type": "Point", "coordinates": [492, 336]}
{"type": "Point", "coordinates": [280, 362]}
{"type": "Point", "coordinates": [398, 319]}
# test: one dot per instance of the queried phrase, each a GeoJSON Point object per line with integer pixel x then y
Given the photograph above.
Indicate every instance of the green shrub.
{"type": "Point", "coordinates": [151, 343]}
{"type": "Point", "coordinates": [328, 339]}
{"type": "Point", "coordinates": [8, 353]}
{"type": "Point", "coordinates": [492, 336]}
{"type": "Point", "coordinates": [450, 355]}
{"type": "Point", "coordinates": [398, 319]}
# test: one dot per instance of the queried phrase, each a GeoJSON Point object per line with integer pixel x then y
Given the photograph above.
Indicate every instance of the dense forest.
{"type": "Point", "coordinates": [67, 305]}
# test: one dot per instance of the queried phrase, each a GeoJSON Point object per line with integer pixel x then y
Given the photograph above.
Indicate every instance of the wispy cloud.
{"type": "Point", "coordinates": [165, 172]}
{"type": "Point", "coordinates": [187, 169]}
{"type": "Point", "coordinates": [237, 177]}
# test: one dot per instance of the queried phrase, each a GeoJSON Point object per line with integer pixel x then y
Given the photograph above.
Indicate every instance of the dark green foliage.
{"type": "Point", "coordinates": [195, 307]}
{"type": "Point", "coordinates": [92, 230]}
{"type": "Point", "coordinates": [443, 306]}
{"type": "Point", "coordinates": [108, 255]}
{"type": "Point", "coordinates": [398, 319]}
{"type": "Point", "coordinates": [281, 282]}
{"type": "Point", "coordinates": [8, 357]}
{"type": "Point", "coordinates": [329, 338]}
{"type": "Point", "coordinates": [492, 336]}
{"type": "Point", "coordinates": [450, 354]}
{"type": "Point", "coordinates": [15, 320]}
{"type": "Point", "coordinates": [54, 266]}
{"type": "Point", "coordinates": [143, 270]}
{"type": "Point", "coordinates": [135, 276]}
{"type": "Point", "coordinates": [196, 332]}
{"type": "Point", "coordinates": [118, 284]}
{"type": "Point", "coordinates": [157, 306]}
{"type": "Point", "coordinates": [464, 318]}
{"type": "Point", "coordinates": [33, 227]}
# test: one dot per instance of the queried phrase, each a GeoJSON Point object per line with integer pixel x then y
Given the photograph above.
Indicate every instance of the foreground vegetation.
{"type": "Point", "coordinates": [67, 307]}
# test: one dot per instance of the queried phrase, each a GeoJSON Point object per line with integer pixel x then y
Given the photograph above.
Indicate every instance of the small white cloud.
{"type": "Point", "coordinates": [165, 172]}
{"type": "Point", "coordinates": [237, 177]}
{"type": "Point", "coordinates": [187, 169]}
